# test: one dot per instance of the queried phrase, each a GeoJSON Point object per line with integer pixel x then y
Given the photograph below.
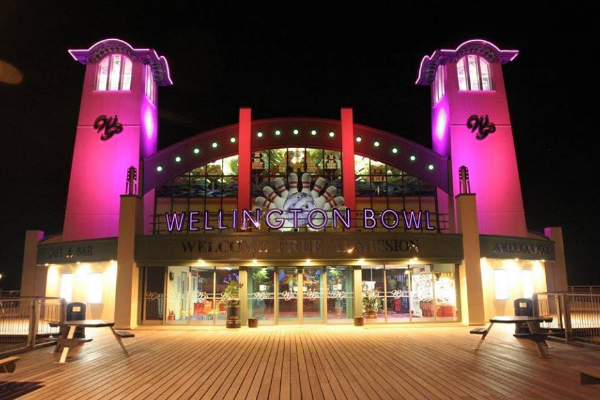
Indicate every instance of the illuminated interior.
{"type": "Point", "coordinates": [114, 73]}
{"type": "Point", "coordinates": [474, 73]}
{"type": "Point", "coordinates": [213, 187]}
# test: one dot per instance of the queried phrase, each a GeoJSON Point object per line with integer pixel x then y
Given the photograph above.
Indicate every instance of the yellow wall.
{"type": "Point", "coordinates": [80, 272]}
{"type": "Point", "coordinates": [513, 268]}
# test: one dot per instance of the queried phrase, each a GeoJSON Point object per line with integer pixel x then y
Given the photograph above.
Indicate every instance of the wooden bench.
{"type": "Point", "coordinates": [588, 375]}
{"type": "Point", "coordinates": [68, 344]}
{"type": "Point", "coordinates": [122, 335]}
{"type": "Point", "coordinates": [8, 364]}
{"type": "Point", "coordinates": [483, 331]}
{"type": "Point", "coordinates": [72, 344]}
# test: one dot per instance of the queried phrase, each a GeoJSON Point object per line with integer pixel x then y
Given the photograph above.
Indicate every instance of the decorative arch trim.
{"type": "Point", "coordinates": [99, 50]}
{"type": "Point", "coordinates": [407, 156]}
{"type": "Point", "coordinates": [483, 48]}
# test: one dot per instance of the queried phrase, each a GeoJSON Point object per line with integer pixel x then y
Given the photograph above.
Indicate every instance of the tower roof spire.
{"type": "Point", "coordinates": [486, 49]}
{"type": "Point", "coordinates": [96, 52]}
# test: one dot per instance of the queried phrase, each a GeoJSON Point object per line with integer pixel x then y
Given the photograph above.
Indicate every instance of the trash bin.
{"type": "Point", "coordinates": [523, 308]}
{"type": "Point", "coordinates": [76, 312]}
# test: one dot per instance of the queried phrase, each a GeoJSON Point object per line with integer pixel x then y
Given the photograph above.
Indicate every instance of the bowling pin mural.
{"type": "Point", "coordinates": [262, 202]}
{"type": "Point", "coordinates": [333, 203]}
{"type": "Point", "coordinates": [306, 183]}
{"type": "Point", "coordinates": [307, 199]}
{"type": "Point", "coordinates": [327, 194]}
{"type": "Point", "coordinates": [280, 186]}
{"type": "Point", "coordinates": [293, 180]}
{"type": "Point", "coordinates": [318, 186]}
{"type": "Point", "coordinates": [272, 196]}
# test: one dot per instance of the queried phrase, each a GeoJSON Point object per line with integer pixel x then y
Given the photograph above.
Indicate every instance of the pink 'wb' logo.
{"type": "Point", "coordinates": [482, 125]}
{"type": "Point", "coordinates": [110, 125]}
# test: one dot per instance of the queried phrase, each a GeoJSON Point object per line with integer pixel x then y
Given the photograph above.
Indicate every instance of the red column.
{"type": "Point", "coordinates": [348, 181]}
{"type": "Point", "coordinates": [244, 155]}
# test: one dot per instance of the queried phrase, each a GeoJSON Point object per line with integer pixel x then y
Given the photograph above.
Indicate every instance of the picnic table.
{"type": "Point", "coordinates": [533, 324]}
{"type": "Point", "coordinates": [70, 342]}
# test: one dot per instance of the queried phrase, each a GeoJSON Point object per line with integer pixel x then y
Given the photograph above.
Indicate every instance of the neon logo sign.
{"type": "Point", "coordinates": [110, 126]}
{"type": "Point", "coordinates": [316, 219]}
{"type": "Point", "coordinates": [482, 125]}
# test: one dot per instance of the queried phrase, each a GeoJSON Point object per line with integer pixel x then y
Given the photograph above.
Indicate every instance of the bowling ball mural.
{"type": "Point", "coordinates": [300, 196]}
{"type": "Point", "coordinates": [299, 201]}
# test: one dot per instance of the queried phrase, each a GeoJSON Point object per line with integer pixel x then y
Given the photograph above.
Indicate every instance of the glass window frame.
{"type": "Point", "coordinates": [66, 287]}
{"type": "Point", "coordinates": [95, 290]}
{"type": "Point", "coordinates": [501, 285]}
{"type": "Point", "coordinates": [101, 85]}
{"type": "Point", "coordinates": [463, 63]}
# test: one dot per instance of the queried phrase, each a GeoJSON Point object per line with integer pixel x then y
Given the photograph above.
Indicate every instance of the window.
{"type": "Point", "coordinates": [438, 88]}
{"type": "Point", "coordinates": [381, 186]}
{"type": "Point", "coordinates": [66, 287]}
{"type": "Point", "coordinates": [210, 187]}
{"type": "Point", "coordinates": [501, 284]}
{"type": "Point", "coordinates": [150, 88]}
{"type": "Point", "coordinates": [527, 281]}
{"type": "Point", "coordinates": [95, 288]}
{"type": "Point", "coordinates": [473, 73]}
{"type": "Point", "coordinates": [114, 73]}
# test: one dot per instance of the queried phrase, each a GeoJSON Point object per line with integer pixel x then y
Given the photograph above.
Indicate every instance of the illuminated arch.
{"type": "Point", "coordinates": [379, 145]}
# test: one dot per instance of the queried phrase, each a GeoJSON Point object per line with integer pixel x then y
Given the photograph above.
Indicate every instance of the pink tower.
{"type": "Point", "coordinates": [117, 128]}
{"type": "Point", "coordinates": [471, 125]}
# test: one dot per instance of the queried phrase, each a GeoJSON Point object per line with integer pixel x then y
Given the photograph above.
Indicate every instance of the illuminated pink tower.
{"type": "Point", "coordinates": [117, 128]}
{"type": "Point", "coordinates": [471, 125]}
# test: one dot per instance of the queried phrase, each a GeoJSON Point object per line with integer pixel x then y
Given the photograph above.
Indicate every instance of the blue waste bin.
{"type": "Point", "coordinates": [523, 308]}
{"type": "Point", "coordinates": [76, 312]}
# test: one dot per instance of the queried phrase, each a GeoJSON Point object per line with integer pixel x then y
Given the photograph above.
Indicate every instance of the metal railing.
{"type": "Point", "coordinates": [595, 289]}
{"type": "Point", "coordinates": [576, 316]}
{"type": "Point", "coordinates": [25, 322]}
{"type": "Point", "coordinates": [9, 293]}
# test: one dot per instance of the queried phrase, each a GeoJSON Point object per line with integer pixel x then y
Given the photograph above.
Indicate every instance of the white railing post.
{"type": "Point", "coordinates": [33, 322]}
{"type": "Point", "coordinates": [566, 303]}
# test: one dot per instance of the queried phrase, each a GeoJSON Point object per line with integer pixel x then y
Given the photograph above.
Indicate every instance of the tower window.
{"type": "Point", "coordinates": [438, 85]}
{"type": "Point", "coordinates": [114, 73]}
{"type": "Point", "coordinates": [473, 73]}
{"type": "Point", "coordinates": [150, 86]}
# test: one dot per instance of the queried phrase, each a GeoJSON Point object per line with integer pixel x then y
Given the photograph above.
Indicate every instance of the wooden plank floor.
{"type": "Point", "coordinates": [305, 362]}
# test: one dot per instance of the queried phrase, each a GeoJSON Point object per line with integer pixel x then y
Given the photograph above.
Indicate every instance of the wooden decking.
{"type": "Point", "coordinates": [310, 362]}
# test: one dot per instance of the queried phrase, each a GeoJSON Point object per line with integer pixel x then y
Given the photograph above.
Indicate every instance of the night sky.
{"type": "Point", "coordinates": [307, 61]}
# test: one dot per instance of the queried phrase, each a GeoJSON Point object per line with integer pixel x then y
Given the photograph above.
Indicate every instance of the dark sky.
{"type": "Point", "coordinates": [300, 59]}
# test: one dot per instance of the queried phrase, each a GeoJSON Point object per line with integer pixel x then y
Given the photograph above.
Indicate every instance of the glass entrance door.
{"type": "Point", "coordinates": [288, 281]}
{"type": "Point", "coordinates": [300, 294]}
{"type": "Point", "coordinates": [312, 294]}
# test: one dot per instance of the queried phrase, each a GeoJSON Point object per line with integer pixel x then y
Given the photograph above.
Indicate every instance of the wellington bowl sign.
{"type": "Point", "coordinates": [292, 209]}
